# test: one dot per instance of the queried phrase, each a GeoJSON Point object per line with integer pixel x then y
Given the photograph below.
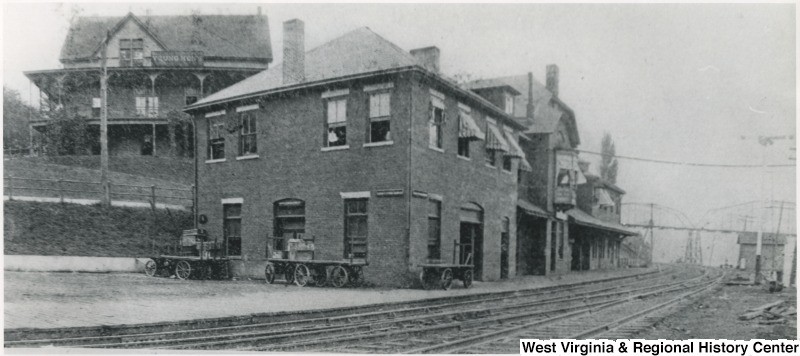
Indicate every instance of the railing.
{"type": "Point", "coordinates": [69, 190]}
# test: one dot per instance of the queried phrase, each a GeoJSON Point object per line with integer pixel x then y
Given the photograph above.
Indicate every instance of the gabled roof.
{"type": "Point", "coordinates": [360, 52]}
{"type": "Point", "coordinates": [591, 178]}
{"type": "Point", "coordinates": [225, 36]}
{"type": "Point", "coordinates": [546, 115]}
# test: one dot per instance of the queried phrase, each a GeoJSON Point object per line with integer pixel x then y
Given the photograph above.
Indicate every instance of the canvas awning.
{"type": "Point", "coordinates": [467, 128]}
{"type": "Point", "coordinates": [580, 217]}
{"type": "Point", "coordinates": [531, 209]}
{"type": "Point", "coordinates": [495, 140]}
{"type": "Point", "coordinates": [516, 151]}
{"type": "Point", "coordinates": [603, 198]}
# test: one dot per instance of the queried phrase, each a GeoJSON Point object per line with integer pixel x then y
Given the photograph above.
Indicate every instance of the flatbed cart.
{"type": "Point", "coordinates": [198, 258]}
{"type": "Point", "coordinates": [316, 272]}
{"type": "Point", "coordinates": [298, 266]}
{"type": "Point", "coordinates": [442, 274]}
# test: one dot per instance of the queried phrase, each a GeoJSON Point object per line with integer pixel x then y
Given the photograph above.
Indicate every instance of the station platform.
{"type": "Point", "coordinates": [56, 300]}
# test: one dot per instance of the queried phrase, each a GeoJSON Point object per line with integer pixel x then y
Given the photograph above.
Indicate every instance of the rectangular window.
{"type": "Point", "coordinates": [232, 228]}
{"type": "Point", "coordinates": [247, 134]}
{"type": "Point", "coordinates": [336, 123]}
{"type": "Point", "coordinates": [190, 96]}
{"type": "Point", "coordinates": [507, 163]}
{"type": "Point", "coordinates": [96, 107]}
{"type": "Point", "coordinates": [436, 124]}
{"type": "Point", "coordinates": [147, 106]}
{"type": "Point", "coordinates": [463, 147]}
{"type": "Point", "coordinates": [131, 52]}
{"type": "Point", "coordinates": [434, 229]}
{"type": "Point", "coordinates": [290, 223]}
{"type": "Point", "coordinates": [355, 228]}
{"type": "Point", "coordinates": [509, 107]}
{"type": "Point", "coordinates": [380, 117]}
{"type": "Point", "coordinates": [216, 138]}
{"type": "Point", "coordinates": [491, 158]}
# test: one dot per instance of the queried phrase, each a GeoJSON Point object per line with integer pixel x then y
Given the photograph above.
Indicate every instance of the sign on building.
{"type": "Point", "coordinates": [177, 58]}
{"type": "Point", "coordinates": [567, 171]}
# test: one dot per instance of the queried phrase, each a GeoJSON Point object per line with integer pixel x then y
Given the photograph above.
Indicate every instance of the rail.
{"type": "Point", "coordinates": [68, 190]}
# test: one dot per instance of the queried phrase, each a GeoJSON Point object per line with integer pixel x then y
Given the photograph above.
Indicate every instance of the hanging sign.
{"type": "Point", "coordinates": [177, 58]}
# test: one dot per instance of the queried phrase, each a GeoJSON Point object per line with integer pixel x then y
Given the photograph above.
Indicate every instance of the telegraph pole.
{"type": "Point", "coordinates": [104, 126]}
{"type": "Point", "coordinates": [652, 238]}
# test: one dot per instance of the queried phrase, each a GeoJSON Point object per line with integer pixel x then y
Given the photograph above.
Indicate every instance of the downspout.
{"type": "Point", "coordinates": [196, 180]}
{"type": "Point", "coordinates": [408, 174]}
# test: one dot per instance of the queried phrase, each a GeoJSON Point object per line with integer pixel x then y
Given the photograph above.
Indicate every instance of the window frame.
{"type": "Point", "coordinates": [348, 236]}
{"type": "Point", "coordinates": [436, 129]}
{"type": "Point", "coordinates": [248, 121]}
{"type": "Point", "coordinates": [343, 99]}
{"type": "Point", "coordinates": [215, 125]}
{"type": "Point", "coordinates": [226, 219]}
{"type": "Point", "coordinates": [380, 116]}
{"type": "Point", "coordinates": [434, 243]}
{"type": "Point", "coordinates": [131, 52]}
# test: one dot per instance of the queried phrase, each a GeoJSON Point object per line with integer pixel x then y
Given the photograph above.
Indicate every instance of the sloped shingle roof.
{"type": "Point", "coordinates": [231, 36]}
{"type": "Point", "coordinates": [583, 218]}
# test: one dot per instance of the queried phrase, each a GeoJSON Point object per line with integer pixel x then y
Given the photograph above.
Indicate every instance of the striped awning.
{"type": "Point", "coordinates": [516, 151]}
{"type": "Point", "coordinates": [467, 128]}
{"type": "Point", "coordinates": [495, 140]}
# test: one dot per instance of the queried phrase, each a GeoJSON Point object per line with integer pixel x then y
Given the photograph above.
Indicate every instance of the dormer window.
{"type": "Point", "coordinates": [509, 107]}
{"type": "Point", "coordinates": [131, 52]}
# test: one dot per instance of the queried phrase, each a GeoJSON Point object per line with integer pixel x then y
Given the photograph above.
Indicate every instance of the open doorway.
{"type": "Point", "coordinates": [471, 238]}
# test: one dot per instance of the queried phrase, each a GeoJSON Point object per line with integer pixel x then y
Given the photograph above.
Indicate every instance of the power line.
{"type": "Point", "coordinates": [692, 164]}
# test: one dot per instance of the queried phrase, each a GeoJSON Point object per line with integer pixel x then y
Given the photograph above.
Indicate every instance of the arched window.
{"type": "Point", "coordinates": [289, 223]}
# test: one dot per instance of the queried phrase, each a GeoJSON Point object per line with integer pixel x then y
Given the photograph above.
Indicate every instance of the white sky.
{"type": "Point", "coordinates": [679, 82]}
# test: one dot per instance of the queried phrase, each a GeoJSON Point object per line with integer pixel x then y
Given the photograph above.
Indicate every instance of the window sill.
{"type": "Point", "coordinates": [489, 166]}
{"type": "Point", "coordinates": [437, 149]}
{"type": "Point", "coordinates": [234, 257]}
{"type": "Point", "coordinates": [378, 144]}
{"type": "Point", "coordinates": [507, 172]}
{"type": "Point", "coordinates": [218, 160]}
{"type": "Point", "coordinates": [335, 148]}
{"type": "Point", "coordinates": [241, 158]}
{"type": "Point", "coordinates": [464, 158]}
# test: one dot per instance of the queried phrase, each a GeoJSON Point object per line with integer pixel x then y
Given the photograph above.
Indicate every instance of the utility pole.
{"type": "Point", "coordinates": [652, 238]}
{"type": "Point", "coordinates": [104, 125]}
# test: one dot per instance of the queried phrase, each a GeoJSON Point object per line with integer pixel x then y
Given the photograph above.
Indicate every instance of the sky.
{"type": "Point", "coordinates": [691, 83]}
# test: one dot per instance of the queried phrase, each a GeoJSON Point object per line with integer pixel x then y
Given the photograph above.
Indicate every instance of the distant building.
{"type": "Point", "coordinates": [367, 151]}
{"type": "Point", "coordinates": [156, 66]}
{"type": "Point", "coordinates": [775, 250]}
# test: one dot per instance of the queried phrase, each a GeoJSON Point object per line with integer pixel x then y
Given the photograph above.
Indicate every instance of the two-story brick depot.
{"type": "Point", "coordinates": [369, 152]}
{"type": "Point", "coordinates": [156, 66]}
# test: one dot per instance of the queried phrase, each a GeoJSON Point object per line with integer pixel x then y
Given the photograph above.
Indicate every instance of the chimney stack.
{"type": "Point", "coordinates": [552, 79]}
{"type": "Point", "coordinates": [529, 109]}
{"type": "Point", "coordinates": [294, 52]}
{"type": "Point", "coordinates": [259, 11]}
{"type": "Point", "coordinates": [427, 57]}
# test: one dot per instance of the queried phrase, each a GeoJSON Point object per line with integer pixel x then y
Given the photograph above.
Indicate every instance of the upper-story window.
{"type": "Point", "coordinates": [131, 52]}
{"type": "Point", "coordinates": [436, 122]}
{"type": "Point", "coordinates": [216, 135]}
{"type": "Point", "coordinates": [96, 107]}
{"type": "Point", "coordinates": [496, 143]}
{"type": "Point", "coordinates": [336, 122]}
{"type": "Point", "coordinates": [190, 96]}
{"type": "Point", "coordinates": [247, 133]}
{"type": "Point", "coordinates": [147, 106]}
{"type": "Point", "coordinates": [380, 103]}
{"type": "Point", "coordinates": [509, 106]}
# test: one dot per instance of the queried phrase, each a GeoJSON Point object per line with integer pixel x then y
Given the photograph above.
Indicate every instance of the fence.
{"type": "Point", "coordinates": [65, 189]}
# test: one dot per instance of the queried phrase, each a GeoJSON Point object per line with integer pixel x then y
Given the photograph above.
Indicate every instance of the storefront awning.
{"type": "Point", "coordinates": [515, 151]}
{"type": "Point", "coordinates": [580, 217]}
{"type": "Point", "coordinates": [467, 128]}
{"type": "Point", "coordinates": [531, 209]}
{"type": "Point", "coordinates": [495, 140]}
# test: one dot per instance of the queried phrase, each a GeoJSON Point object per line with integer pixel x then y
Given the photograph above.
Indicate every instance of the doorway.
{"type": "Point", "coordinates": [471, 238]}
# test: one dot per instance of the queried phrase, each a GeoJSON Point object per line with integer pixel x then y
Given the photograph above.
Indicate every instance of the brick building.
{"type": "Point", "coordinates": [558, 230]}
{"type": "Point", "coordinates": [156, 66]}
{"type": "Point", "coordinates": [365, 150]}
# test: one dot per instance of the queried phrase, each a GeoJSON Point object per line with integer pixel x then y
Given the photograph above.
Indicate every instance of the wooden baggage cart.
{"type": "Point", "coordinates": [316, 272]}
{"type": "Point", "coordinates": [441, 275]}
{"type": "Point", "coordinates": [198, 258]}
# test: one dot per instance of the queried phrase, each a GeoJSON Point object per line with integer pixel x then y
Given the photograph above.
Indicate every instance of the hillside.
{"type": "Point", "coordinates": [179, 170]}
{"type": "Point", "coordinates": [77, 230]}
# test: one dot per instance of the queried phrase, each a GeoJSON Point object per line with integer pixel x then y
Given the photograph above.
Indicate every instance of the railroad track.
{"type": "Point", "coordinates": [343, 323]}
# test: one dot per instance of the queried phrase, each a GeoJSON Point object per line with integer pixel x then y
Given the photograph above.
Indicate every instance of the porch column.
{"type": "Point", "coordinates": [154, 139]}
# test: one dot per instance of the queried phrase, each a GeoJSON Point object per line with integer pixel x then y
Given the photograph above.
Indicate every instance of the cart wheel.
{"type": "Point", "coordinates": [269, 273]}
{"type": "Point", "coordinates": [356, 276]}
{"type": "Point", "coordinates": [339, 276]}
{"type": "Point", "coordinates": [427, 278]}
{"type": "Point", "coordinates": [301, 275]}
{"type": "Point", "coordinates": [288, 274]}
{"type": "Point", "coordinates": [150, 268]}
{"type": "Point", "coordinates": [447, 278]}
{"type": "Point", "coordinates": [467, 278]}
{"type": "Point", "coordinates": [183, 270]}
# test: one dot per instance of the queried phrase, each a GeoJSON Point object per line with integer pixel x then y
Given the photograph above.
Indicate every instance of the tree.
{"type": "Point", "coordinates": [15, 120]}
{"type": "Point", "coordinates": [608, 163]}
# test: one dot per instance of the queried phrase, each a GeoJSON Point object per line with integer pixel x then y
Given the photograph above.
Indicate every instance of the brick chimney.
{"type": "Point", "coordinates": [427, 57]}
{"type": "Point", "coordinates": [294, 52]}
{"type": "Point", "coordinates": [530, 108]}
{"type": "Point", "coordinates": [552, 79]}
